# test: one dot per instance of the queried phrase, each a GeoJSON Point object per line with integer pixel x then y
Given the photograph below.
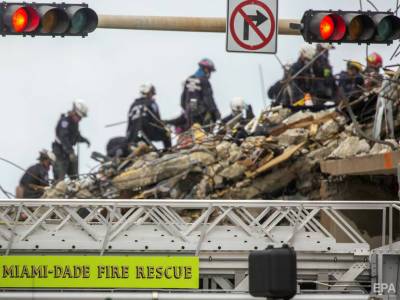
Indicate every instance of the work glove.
{"type": "Point", "coordinates": [72, 157]}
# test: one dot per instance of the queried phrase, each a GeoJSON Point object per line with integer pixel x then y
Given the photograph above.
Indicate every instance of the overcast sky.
{"type": "Point", "coordinates": [40, 77]}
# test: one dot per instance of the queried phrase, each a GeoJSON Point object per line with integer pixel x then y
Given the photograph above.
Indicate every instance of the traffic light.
{"type": "Point", "coordinates": [47, 19]}
{"type": "Point", "coordinates": [350, 27]}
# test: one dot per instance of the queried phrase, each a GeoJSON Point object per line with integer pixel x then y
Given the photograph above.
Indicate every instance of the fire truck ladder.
{"type": "Point", "coordinates": [220, 232]}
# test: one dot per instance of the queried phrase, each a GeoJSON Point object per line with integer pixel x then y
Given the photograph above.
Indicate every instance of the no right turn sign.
{"type": "Point", "coordinates": [252, 26]}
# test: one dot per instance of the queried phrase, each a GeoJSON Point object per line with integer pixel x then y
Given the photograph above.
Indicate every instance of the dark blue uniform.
{"type": "Point", "coordinates": [197, 101]}
{"type": "Point", "coordinates": [279, 93]}
{"type": "Point", "coordinates": [36, 176]}
{"type": "Point", "coordinates": [351, 85]}
{"type": "Point", "coordinates": [144, 123]}
{"type": "Point", "coordinates": [303, 83]}
{"type": "Point", "coordinates": [324, 85]}
{"type": "Point", "coordinates": [67, 136]}
{"type": "Point", "coordinates": [118, 147]}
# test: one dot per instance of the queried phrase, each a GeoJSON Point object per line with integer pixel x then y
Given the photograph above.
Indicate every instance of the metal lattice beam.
{"type": "Point", "coordinates": [220, 232]}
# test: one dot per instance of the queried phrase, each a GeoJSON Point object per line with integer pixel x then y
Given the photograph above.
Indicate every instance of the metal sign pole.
{"type": "Point", "coordinates": [190, 24]}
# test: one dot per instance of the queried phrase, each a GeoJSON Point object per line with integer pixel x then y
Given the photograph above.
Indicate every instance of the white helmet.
{"type": "Point", "coordinates": [147, 88]}
{"type": "Point", "coordinates": [324, 46]}
{"type": "Point", "coordinates": [307, 51]}
{"type": "Point", "coordinates": [237, 104]}
{"type": "Point", "coordinates": [80, 108]}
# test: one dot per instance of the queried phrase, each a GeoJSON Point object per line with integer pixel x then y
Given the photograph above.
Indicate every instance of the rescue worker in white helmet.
{"type": "Point", "coordinates": [303, 83]}
{"type": "Point", "coordinates": [239, 106]}
{"type": "Point", "coordinates": [324, 85]}
{"type": "Point", "coordinates": [235, 122]}
{"type": "Point", "coordinates": [144, 120]}
{"type": "Point", "coordinates": [67, 136]}
{"type": "Point", "coordinates": [197, 100]}
{"type": "Point", "coordinates": [36, 177]}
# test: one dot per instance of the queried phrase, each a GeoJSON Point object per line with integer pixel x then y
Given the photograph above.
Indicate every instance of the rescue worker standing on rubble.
{"type": "Point", "coordinates": [301, 86]}
{"type": "Point", "coordinates": [366, 109]}
{"type": "Point", "coordinates": [197, 99]}
{"type": "Point", "coordinates": [67, 136]}
{"type": "Point", "coordinates": [324, 85]}
{"type": "Point", "coordinates": [351, 81]}
{"type": "Point", "coordinates": [372, 73]}
{"type": "Point", "coordinates": [144, 121]}
{"type": "Point", "coordinates": [36, 178]}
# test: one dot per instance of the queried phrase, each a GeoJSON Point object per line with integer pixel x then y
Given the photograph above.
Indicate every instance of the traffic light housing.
{"type": "Point", "coordinates": [350, 27]}
{"type": "Point", "coordinates": [47, 19]}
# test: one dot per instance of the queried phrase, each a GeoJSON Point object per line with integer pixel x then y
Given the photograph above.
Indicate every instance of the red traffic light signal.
{"type": "Point", "coordinates": [331, 27]}
{"type": "Point", "coordinates": [47, 19]}
{"type": "Point", "coordinates": [20, 18]}
{"type": "Point", "coordinates": [350, 27]}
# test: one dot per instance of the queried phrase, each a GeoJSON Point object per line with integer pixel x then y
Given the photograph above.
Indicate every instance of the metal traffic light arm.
{"type": "Point", "coordinates": [181, 24]}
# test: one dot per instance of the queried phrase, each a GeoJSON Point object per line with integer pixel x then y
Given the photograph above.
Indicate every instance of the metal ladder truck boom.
{"type": "Point", "coordinates": [220, 233]}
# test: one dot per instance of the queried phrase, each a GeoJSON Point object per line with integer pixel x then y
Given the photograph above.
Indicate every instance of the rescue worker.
{"type": "Point", "coordinates": [351, 81]}
{"type": "Point", "coordinates": [144, 121]}
{"type": "Point", "coordinates": [279, 93]}
{"type": "Point", "coordinates": [197, 99]}
{"type": "Point", "coordinates": [239, 106]}
{"type": "Point", "coordinates": [36, 178]}
{"type": "Point", "coordinates": [67, 136]}
{"type": "Point", "coordinates": [118, 147]}
{"type": "Point", "coordinates": [303, 83]}
{"type": "Point", "coordinates": [366, 109]}
{"type": "Point", "coordinates": [324, 85]}
{"type": "Point", "coordinates": [373, 71]}
{"type": "Point", "coordinates": [235, 122]}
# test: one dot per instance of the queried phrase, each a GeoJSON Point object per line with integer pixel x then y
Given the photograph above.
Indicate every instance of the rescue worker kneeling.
{"type": "Point", "coordinates": [240, 116]}
{"type": "Point", "coordinates": [118, 147]}
{"type": "Point", "coordinates": [36, 178]}
{"type": "Point", "coordinates": [239, 107]}
{"type": "Point", "coordinates": [144, 121]}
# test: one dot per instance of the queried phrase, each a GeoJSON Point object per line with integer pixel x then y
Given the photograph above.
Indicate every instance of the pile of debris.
{"type": "Point", "coordinates": [283, 161]}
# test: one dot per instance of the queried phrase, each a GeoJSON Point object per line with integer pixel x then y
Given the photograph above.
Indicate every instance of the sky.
{"type": "Point", "coordinates": [41, 77]}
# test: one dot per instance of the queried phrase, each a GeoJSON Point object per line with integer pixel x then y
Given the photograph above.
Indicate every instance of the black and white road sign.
{"type": "Point", "coordinates": [252, 26]}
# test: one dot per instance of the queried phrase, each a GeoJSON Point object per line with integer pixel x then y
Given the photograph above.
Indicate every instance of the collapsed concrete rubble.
{"type": "Point", "coordinates": [283, 161]}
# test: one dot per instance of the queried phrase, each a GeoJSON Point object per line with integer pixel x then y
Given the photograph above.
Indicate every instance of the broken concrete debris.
{"type": "Point", "coordinates": [280, 160]}
{"type": "Point", "coordinates": [293, 137]}
{"type": "Point", "coordinates": [351, 146]}
{"type": "Point", "coordinates": [381, 148]}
